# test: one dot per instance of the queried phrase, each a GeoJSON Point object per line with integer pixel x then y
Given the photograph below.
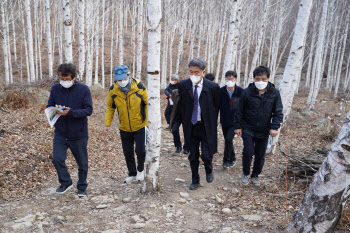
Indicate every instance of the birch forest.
{"type": "Point", "coordinates": [306, 179]}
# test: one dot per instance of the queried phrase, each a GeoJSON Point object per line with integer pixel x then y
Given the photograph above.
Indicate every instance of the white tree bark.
{"type": "Point", "coordinates": [97, 44]}
{"type": "Point", "coordinates": [30, 41]}
{"type": "Point", "coordinates": [48, 37]}
{"type": "Point", "coordinates": [89, 41]}
{"type": "Point", "coordinates": [218, 67]}
{"type": "Point", "coordinates": [67, 25]}
{"type": "Point", "coordinates": [231, 38]}
{"type": "Point", "coordinates": [326, 197]}
{"type": "Point", "coordinates": [153, 70]}
{"type": "Point", "coordinates": [81, 26]}
{"type": "Point", "coordinates": [139, 39]}
{"type": "Point", "coordinates": [121, 35]}
{"type": "Point", "coordinates": [111, 79]}
{"type": "Point", "coordinates": [291, 74]}
{"type": "Point", "coordinates": [103, 45]}
{"type": "Point", "coordinates": [259, 42]}
{"type": "Point", "coordinates": [319, 54]}
{"type": "Point", "coordinates": [4, 44]}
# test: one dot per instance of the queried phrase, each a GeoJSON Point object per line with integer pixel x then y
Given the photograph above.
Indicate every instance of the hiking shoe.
{"type": "Point", "coordinates": [194, 186]}
{"type": "Point", "coordinates": [255, 181]}
{"type": "Point", "coordinates": [129, 179]}
{"type": "Point", "coordinates": [81, 193]}
{"type": "Point", "coordinates": [210, 178]}
{"type": "Point", "coordinates": [140, 176]}
{"type": "Point", "coordinates": [178, 150]}
{"type": "Point", "coordinates": [186, 151]}
{"type": "Point", "coordinates": [62, 189]}
{"type": "Point", "coordinates": [232, 164]}
{"type": "Point", "coordinates": [245, 180]}
{"type": "Point", "coordinates": [225, 165]}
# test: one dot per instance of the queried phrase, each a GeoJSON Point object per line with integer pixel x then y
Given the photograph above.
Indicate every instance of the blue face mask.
{"type": "Point", "coordinates": [126, 88]}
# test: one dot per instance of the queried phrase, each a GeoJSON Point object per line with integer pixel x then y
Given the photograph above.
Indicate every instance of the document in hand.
{"type": "Point", "coordinates": [52, 116]}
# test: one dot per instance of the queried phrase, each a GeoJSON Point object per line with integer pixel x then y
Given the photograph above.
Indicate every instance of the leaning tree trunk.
{"type": "Point", "coordinates": [153, 75]}
{"type": "Point", "coordinates": [323, 203]}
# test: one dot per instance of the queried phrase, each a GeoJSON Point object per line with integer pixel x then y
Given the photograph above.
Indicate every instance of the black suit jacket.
{"type": "Point", "coordinates": [209, 101]}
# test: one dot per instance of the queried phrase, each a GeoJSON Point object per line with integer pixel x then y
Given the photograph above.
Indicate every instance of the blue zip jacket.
{"type": "Point", "coordinates": [229, 106]}
{"type": "Point", "coordinates": [74, 125]}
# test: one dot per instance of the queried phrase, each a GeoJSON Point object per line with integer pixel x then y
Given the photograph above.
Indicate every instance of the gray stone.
{"type": "Point", "coordinates": [21, 225]}
{"type": "Point", "coordinates": [180, 180]}
{"type": "Point", "coordinates": [101, 206]}
{"type": "Point", "coordinates": [251, 217]}
{"type": "Point", "coordinates": [126, 199]}
{"type": "Point", "coordinates": [184, 195]}
{"type": "Point", "coordinates": [226, 230]}
{"type": "Point", "coordinates": [138, 225]}
{"type": "Point", "coordinates": [28, 218]}
{"type": "Point", "coordinates": [226, 211]}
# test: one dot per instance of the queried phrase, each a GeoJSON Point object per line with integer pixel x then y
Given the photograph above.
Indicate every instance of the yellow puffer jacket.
{"type": "Point", "coordinates": [132, 109]}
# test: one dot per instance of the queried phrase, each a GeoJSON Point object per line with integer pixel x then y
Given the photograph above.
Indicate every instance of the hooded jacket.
{"type": "Point", "coordinates": [132, 108]}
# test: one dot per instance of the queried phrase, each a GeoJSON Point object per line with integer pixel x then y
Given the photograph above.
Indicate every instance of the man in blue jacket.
{"type": "Point", "coordinates": [71, 128]}
{"type": "Point", "coordinates": [260, 114]}
{"type": "Point", "coordinates": [229, 103]}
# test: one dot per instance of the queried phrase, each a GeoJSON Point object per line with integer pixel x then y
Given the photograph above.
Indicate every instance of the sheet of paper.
{"type": "Point", "coordinates": [52, 116]}
{"type": "Point", "coordinates": [171, 102]}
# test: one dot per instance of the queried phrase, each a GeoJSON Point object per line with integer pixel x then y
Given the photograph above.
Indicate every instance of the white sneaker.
{"type": "Point", "coordinates": [129, 179]}
{"type": "Point", "coordinates": [140, 176]}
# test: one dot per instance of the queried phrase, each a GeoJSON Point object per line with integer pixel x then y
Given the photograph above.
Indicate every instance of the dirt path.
{"type": "Point", "coordinates": [222, 206]}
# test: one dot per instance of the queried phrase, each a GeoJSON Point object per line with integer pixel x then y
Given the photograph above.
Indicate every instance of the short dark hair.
{"type": "Point", "coordinates": [67, 68]}
{"type": "Point", "coordinates": [198, 63]}
{"type": "Point", "coordinates": [210, 77]}
{"type": "Point", "coordinates": [261, 70]}
{"type": "Point", "coordinates": [231, 73]}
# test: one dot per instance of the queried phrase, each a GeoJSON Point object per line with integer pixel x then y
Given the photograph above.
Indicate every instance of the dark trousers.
{"type": "Point", "coordinates": [79, 151]}
{"type": "Point", "coordinates": [128, 140]}
{"type": "Point", "coordinates": [229, 152]}
{"type": "Point", "coordinates": [198, 135]}
{"type": "Point", "coordinates": [253, 146]}
{"type": "Point", "coordinates": [176, 134]}
{"type": "Point", "coordinates": [167, 113]}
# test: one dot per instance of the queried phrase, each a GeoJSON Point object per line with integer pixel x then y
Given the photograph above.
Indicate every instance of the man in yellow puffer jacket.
{"type": "Point", "coordinates": [129, 97]}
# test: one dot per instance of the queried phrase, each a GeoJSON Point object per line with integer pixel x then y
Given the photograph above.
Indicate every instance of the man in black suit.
{"type": "Point", "coordinates": [199, 107]}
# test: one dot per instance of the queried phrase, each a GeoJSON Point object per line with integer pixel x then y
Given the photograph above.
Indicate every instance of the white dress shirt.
{"type": "Point", "coordinates": [199, 91]}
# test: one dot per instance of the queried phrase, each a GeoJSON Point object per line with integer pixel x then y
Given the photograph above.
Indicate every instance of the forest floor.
{"type": "Point", "coordinates": [28, 180]}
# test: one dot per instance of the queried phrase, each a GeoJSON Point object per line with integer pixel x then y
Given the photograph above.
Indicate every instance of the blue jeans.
{"type": "Point", "coordinates": [79, 151]}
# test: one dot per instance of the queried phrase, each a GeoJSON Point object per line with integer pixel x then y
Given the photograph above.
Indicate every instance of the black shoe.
{"type": "Point", "coordinates": [63, 189]}
{"type": "Point", "coordinates": [225, 164]}
{"type": "Point", "coordinates": [178, 150]}
{"type": "Point", "coordinates": [186, 151]}
{"type": "Point", "coordinates": [232, 164]}
{"type": "Point", "coordinates": [210, 178]}
{"type": "Point", "coordinates": [81, 193]}
{"type": "Point", "coordinates": [194, 186]}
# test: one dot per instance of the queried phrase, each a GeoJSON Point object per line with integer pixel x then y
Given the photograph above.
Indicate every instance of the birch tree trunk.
{"type": "Point", "coordinates": [30, 41]}
{"type": "Point", "coordinates": [151, 182]}
{"type": "Point", "coordinates": [326, 197]}
{"type": "Point", "coordinates": [230, 42]}
{"type": "Point", "coordinates": [81, 26]}
{"type": "Point", "coordinates": [139, 39]}
{"type": "Point", "coordinates": [48, 37]}
{"type": "Point", "coordinates": [259, 43]}
{"type": "Point", "coordinates": [121, 41]}
{"type": "Point", "coordinates": [4, 44]}
{"type": "Point", "coordinates": [103, 45]}
{"type": "Point", "coordinates": [221, 44]}
{"type": "Point", "coordinates": [319, 54]}
{"type": "Point", "coordinates": [111, 79]}
{"type": "Point", "coordinates": [89, 45]}
{"type": "Point", "coordinates": [97, 44]}
{"type": "Point", "coordinates": [293, 66]}
{"type": "Point", "coordinates": [67, 25]}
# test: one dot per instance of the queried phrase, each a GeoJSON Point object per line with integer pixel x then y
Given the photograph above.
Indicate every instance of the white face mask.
{"type": "Point", "coordinates": [66, 84]}
{"type": "Point", "coordinates": [195, 79]}
{"type": "Point", "coordinates": [230, 83]}
{"type": "Point", "coordinates": [172, 82]}
{"type": "Point", "coordinates": [261, 85]}
{"type": "Point", "coordinates": [123, 83]}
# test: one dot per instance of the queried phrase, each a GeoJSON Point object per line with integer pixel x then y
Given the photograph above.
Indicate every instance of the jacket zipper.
{"type": "Point", "coordinates": [127, 107]}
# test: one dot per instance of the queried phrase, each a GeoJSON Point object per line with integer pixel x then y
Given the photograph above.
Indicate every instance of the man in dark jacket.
{"type": "Point", "coordinates": [174, 84]}
{"type": "Point", "coordinates": [260, 115]}
{"type": "Point", "coordinates": [199, 107]}
{"type": "Point", "coordinates": [229, 100]}
{"type": "Point", "coordinates": [71, 128]}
